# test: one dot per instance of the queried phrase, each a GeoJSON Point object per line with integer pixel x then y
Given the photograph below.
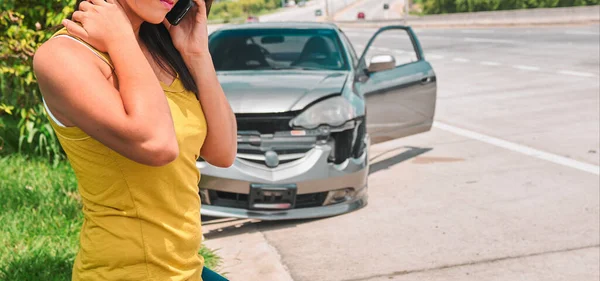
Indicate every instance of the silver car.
{"type": "Point", "coordinates": [307, 109]}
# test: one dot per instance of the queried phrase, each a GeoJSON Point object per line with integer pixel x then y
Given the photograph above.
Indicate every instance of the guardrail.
{"type": "Point", "coordinates": [541, 16]}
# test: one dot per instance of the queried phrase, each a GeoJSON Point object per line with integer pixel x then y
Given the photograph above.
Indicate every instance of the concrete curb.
{"type": "Point", "coordinates": [245, 251]}
{"type": "Point", "coordinates": [542, 16]}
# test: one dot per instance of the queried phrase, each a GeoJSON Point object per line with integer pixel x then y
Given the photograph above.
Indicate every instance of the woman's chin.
{"type": "Point", "coordinates": [156, 19]}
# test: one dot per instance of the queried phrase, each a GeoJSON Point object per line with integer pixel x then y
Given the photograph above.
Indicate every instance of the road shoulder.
{"type": "Point", "coordinates": [244, 251]}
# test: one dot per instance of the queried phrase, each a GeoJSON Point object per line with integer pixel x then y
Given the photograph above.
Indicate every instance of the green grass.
{"type": "Point", "coordinates": [40, 219]}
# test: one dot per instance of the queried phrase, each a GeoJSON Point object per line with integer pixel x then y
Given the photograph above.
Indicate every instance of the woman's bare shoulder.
{"type": "Point", "coordinates": [62, 56]}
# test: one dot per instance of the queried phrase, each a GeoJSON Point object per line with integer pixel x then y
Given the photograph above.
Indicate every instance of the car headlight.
{"type": "Point", "coordinates": [333, 112]}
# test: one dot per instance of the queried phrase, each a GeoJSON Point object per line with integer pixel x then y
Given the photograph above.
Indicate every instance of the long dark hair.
{"type": "Point", "coordinates": [158, 41]}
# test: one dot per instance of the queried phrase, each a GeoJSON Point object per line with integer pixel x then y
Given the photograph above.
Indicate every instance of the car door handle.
{"type": "Point", "coordinates": [426, 80]}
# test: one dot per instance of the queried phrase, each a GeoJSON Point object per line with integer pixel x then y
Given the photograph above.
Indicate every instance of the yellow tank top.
{"type": "Point", "coordinates": [141, 222]}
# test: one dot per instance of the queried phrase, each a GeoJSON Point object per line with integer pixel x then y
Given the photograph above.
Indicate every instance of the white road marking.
{"type": "Point", "coordinates": [526, 67]}
{"type": "Point", "coordinates": [582, 33]}
{"type": "Point", "coordinates": [434, 57]}
{"type": "Point", "coordinates": [360, 30]}
{"type": "Point", "coordinates": [461, 60]}
{"type": "Point", "coordinates": [576, 73]}
{"type": "Point", "coordinates": [564, 161]}
{"type": "Point", "coordinates": [477, 31]}
{"type": "Point", "coordinates": [489, 40]}
{"type": "Point", "coordinates": [490, 63]}
{"type": "Point", "coordinates": [435, 37]}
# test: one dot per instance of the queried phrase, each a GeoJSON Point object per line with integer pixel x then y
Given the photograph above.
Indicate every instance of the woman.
{"type": "Point", "coordinates": [134, 102]}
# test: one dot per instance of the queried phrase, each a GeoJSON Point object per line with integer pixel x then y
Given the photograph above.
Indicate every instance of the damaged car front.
{"type": "Point", "coordinates": [301, 131]}
{"type": "Point", "coordinates": [300, 94]}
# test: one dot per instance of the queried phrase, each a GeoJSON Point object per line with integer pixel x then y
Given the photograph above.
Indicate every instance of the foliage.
{"type": "Point", "coordinates": [461, 6]}
{"type": "Point", "coordinates": [37, 136]}
{"type": "Point", "coordinates": [225, 10]}
{"type": "Point", "coordinates": [229, 10]}
{"type": "Point", "coordinates": [40, 214]}
{"type": "Point", "coordinates": [24, 25]}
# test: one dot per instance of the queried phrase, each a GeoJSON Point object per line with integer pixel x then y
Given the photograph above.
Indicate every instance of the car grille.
{"type": "Point", "coordinates": [265, 123]}
{"type": "Point", "coordinates": [238, 200]}
{"type": "Point", "coordinates": [263, 129]}
{"type": "Point", "coordinates": [255, 155]}
{"type": "Point", "coordinates": [228, 199]}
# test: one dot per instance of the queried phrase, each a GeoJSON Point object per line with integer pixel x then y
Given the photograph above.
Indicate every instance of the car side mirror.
{"type": "Point", "coordinates": [381, 63]}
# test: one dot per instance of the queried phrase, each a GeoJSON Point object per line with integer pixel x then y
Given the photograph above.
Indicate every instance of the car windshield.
{"type": "Point", "coordinates": [277, 49]}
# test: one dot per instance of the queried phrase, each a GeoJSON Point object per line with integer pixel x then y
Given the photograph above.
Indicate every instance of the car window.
{"type": "Point", "coordinates": [396, 43]}
{"type": "Point", "coordinates": [277, 48]}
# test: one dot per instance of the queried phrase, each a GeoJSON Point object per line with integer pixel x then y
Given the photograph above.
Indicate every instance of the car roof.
{"type": "Point", "coordinates": [276, 25]}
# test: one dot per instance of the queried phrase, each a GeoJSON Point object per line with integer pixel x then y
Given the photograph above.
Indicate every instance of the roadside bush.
{"type": "Point", "coordinates": [462, 6]}
{"type": "Point", "coordinates": [229, 10]}
{"type": "Point", "coordinates": [477, 5]}
{"type": "Point", "coordinates": [272, 4]}
{"type": "Point", "coordinates": [225, 10]}
{"type": "Point", "coordinates": [252, 6]}
{"type": "Point", "coordinates": [24, 25]}
{"type": "Point", "coordinates": [439, 6]}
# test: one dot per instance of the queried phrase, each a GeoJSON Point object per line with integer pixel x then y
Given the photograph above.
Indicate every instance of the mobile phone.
{"type": "Point", "coordinates": [181, 8]}
{"type": "Point", "coordinates": [179, 11]}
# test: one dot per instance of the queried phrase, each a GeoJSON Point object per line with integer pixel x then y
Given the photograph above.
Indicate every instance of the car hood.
{"type": "Point", "coordinates": [275, 91]}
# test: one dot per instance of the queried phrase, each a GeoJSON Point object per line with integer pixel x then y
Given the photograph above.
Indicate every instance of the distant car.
{"type": "Point", "coordinates": [251, 19]}
{"type": "Point", "coordinates": [360, 16]}
{"type": "Point", "coordinates": [318, 13]}
{"type": "Point", "coordinates": [291, 3]}
{"type": "Point", "coordinates": [301, 3]}
{"type": "Point", "coordinates": [307, 108]}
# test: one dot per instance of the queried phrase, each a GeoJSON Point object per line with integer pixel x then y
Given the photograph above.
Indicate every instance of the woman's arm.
{"type": "Point", "coordinates": [220, 146]}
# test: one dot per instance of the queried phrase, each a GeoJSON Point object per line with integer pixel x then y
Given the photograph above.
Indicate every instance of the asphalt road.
{"type": "Point", "coordinates": [373, 10]}
{"type": "Point", "coordinates": [504, 187]}
{"type": "Point", "coordinates": [307, 13]}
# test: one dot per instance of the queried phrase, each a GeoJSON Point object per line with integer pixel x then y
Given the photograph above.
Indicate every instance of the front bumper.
{"type": "Point", "coordinates": [292, 214]}
{"type": "Point", "coordinates": [313, 176]}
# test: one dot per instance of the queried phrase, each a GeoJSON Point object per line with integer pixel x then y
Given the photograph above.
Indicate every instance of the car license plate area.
{"type": "Point", "coordinates": [272, 197]}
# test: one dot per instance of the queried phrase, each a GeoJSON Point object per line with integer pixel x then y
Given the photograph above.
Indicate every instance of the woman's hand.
{"type": "Point", "coordinates": [100, 23]}
{"type": "Point", "coordinates": [190, 36]}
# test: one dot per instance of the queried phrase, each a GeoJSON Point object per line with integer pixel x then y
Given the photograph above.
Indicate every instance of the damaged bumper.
{"type": "Point", "coordinates": [307, 183]}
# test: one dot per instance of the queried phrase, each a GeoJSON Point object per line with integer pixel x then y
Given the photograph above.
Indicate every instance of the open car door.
{"type": "Point", "coordinates": [398, 84]}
